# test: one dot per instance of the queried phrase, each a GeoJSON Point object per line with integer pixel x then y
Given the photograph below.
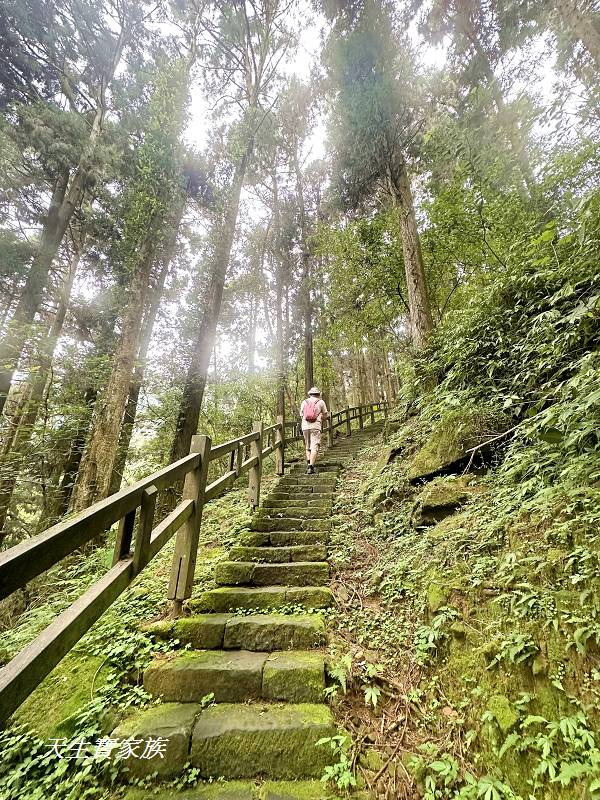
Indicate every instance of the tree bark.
{"type": "Point", "coordinates": [93, 481]}
{"type": "Point", "coordinates": [421, 322]}
{"type": "Point", "coordinates": [135, 387]}
{"type": "Point", "coordinates": [195, 382]}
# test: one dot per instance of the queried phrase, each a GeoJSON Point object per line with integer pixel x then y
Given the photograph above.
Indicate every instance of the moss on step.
{"type": "Point", "coordinates": [231, 790]}
{"type": "Point", "coordinates": [202, 631]}
{"type": "Point", "coordinates": [269, 632]}
{"type": "Point", "coordinates": [172, 722]}
{"type": "Point", "coordinates": [272, 740]}
{"type": "Point", "coordinates": [296, 677]}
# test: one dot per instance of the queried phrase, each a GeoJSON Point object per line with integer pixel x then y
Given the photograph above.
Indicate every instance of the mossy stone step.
{"type": "Point", "coordinates": [235, 676]}
{"type": "Point", "coordinates": [290, 538]}
{"type": "Point", "coordinates": [312, 501]}
{"type": "Point", "coordinates": [325, 480]}
{"type": "Point", "coordinates": [249, 573]}
{"type": "Point", "coordinates": [302, 492]}
{"type": "Point", "coordinates": [267, 524]}
{"type": "Point", "coordinates": [280, 538]}
{"type": "Point", "coordinates": [244, 741]}
{"type": "Point", "coordinates": [230, 598]}
{"type": "Point", "coordinates": [303, 511]}
{"type": "Point", "coordinates": [232, 677]}
{"type": "Point", "coordinates": [268, 632]}
{"type": "Point", "coordinates": [245, 790]}
{"type": "Point", "coordinates": [276, 555]}
{"type": "Point", "coordinates": [172, 722]}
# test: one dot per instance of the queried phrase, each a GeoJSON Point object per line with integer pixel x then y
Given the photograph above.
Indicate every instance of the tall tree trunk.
{"type": "Point", "coordinates": [94, 479]}
{"type": "Point", "coordinates": [421, 323]}
{"type": "Point", "coordinates": [64, 491]}
{"type": "Point", "coordinates": [66, 199]}
{"type": "Point", "coordinates": [195, 382]}
{"type": "Point", "coordinates": [135, 387]}
{"type": "Point", "coordinates": [19, 435]}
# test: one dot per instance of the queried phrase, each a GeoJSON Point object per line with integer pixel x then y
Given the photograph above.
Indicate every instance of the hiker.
{"type": "Point", "coordinates": [312, 410]}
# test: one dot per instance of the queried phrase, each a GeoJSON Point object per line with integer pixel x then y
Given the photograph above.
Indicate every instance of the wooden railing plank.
{"type": "Point", "coordinates": [31, 558]}
{"type": "Point", "coordinates": [28, 669]}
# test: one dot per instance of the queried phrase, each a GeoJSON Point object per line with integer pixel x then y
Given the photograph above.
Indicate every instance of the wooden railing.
{"type": "Point", "coordinates": [139, 539]}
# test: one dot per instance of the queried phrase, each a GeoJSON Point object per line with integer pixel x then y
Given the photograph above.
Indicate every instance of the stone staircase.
{"type": "Point", "coordinates": [255, 648]}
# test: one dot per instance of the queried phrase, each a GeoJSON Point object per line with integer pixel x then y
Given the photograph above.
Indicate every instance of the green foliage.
{"type": "Point", "coordinates": [340, 774]}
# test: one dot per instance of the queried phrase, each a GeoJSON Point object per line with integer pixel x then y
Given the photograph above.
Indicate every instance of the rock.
{"type": "Point", "coordinates": [372, 760]}
{"type": "Point", "coordinates": [449, 442]}
{"type": "Point", "coordinates": [503, 712]}
{"type": "Point", "coordinates": [442, 497]}
{"type": "Point", "coordinates": [437, 596]}
{"type": "Point", "coordinates": [172, 722]}
{"type": "Point", "coordinates": [251, 740]}
{"type": "Point", "coordinates": [295, 790]}
{"type": "Point", "coordinates": [296, 677]}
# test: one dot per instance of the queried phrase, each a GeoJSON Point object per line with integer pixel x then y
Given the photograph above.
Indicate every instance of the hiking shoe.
{"type": "Point", "coordinates": [310, 470]}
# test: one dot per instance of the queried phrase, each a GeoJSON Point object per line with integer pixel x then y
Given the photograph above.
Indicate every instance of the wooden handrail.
{"type": "Point", "coordinates": [31, 558]}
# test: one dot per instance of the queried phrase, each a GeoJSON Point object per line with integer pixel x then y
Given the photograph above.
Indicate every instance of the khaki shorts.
{"type": "Point", "coordinates": [312, 438]}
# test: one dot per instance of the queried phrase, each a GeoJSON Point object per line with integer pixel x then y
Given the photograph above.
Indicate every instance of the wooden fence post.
{"type": "Point", "coordinates": [186, 544]}
{"type": "Point", "coordinates": [385, 409]}
{"type": "Point", "coordinates": [330, 439]}
{"type": "Point", "coordinates": [142, 539]}
{"type": "Point", "coordinates": [372, 413]}
{"type": "Point", "coordinates": [256, 448]}
{"type": "Point", "coordinates": [360, 418]}
{"type": "Point", "coordinates": [280, 446]}
{"type": "Point", "coordinates": [348, 423]}
{"type": "Point", "coordinates": [124, 537]}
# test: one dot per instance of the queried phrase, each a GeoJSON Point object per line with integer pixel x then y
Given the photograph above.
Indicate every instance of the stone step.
{"type": "Point", "coordinates": [267, 632]}
{"type": "Point", "coordinates": [295, 512]}
{"type": "Point", "coordinates": [249, 573]}
{"type": "Point", "coordinates": [327, 480]}
{"type": "Point", "coordinates": [236, 676]}
{"type": "Point", "coordinates": [230, 598]}
{"type": "Point", "coordinates": [278, 555]}
{"type": "Point", "coordinates": [279, 538]}
{"type": "Point", "coordinates": [229, 740]}
{"type": "Point", "coordinates": [300, 492]}
{"type": "Point", "coordinates": [267, 524]}
{"type": "Point", "coordinates": [246, 741]}
{"type": "Point", "coordinates": [246, 790]}
{"type": "Point", "coordinates": [214, 631]}
{"type": "Point", "coordinates": [311, 501]}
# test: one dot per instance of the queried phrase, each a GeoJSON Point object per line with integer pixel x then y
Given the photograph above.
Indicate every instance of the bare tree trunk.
{"type": "Point", "coordinates": [421, 323]}
{"type": "Point", "coordinates": [70, 469]}
{"type": "Point", "coordinates": [94, 479]}
{"type": "Point", "coordinates": [66, 199]}
{"type": "Point", "coordinates": [135, 387]}
{"type": "Point", "coordinates": [195, 383]}
{"type": "Point", "coordinates": [19, 435]}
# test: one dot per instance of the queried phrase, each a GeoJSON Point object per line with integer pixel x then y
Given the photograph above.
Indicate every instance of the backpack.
{"type": "Point", "coordinates": [311, 410]}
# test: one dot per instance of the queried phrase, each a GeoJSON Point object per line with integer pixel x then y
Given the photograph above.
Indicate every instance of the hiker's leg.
{"type": "Point", "coordinates": [306, 435]}
{"type": "Point", "coordinates": [315, 441]}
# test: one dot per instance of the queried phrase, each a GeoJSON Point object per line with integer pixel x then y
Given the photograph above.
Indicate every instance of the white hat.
{"type": "Point", "coordinates": [314, 390]}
